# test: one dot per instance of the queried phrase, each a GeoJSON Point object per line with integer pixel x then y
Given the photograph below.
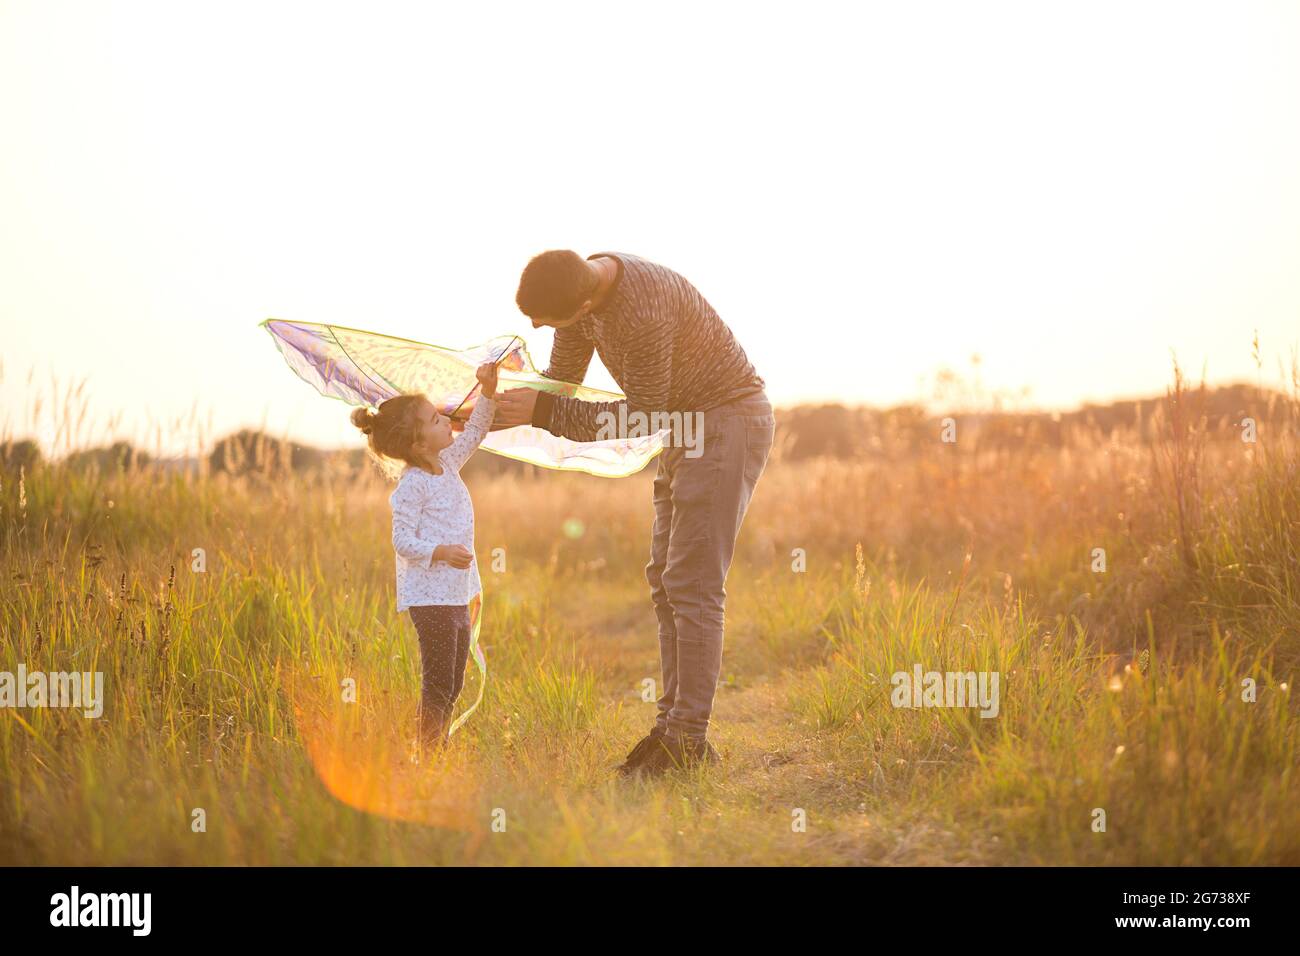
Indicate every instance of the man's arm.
{"type": "Point", "coordinates": [570, 358]}
{"type": "Point", "coordinates": [647, 377]}
{"type": "Point", "coordinates": [570, 354]}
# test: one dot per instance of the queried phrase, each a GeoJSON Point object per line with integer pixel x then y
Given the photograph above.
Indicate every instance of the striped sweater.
{"type": "Point", "coordinates": [659, 339]}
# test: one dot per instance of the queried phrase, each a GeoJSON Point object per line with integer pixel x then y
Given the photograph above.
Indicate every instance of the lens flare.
{"type": "Point", "coordinates": [365, 757]}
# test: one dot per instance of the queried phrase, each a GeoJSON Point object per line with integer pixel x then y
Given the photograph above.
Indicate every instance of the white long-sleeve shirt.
{"type": "Point", "coordinates": [429, 510]}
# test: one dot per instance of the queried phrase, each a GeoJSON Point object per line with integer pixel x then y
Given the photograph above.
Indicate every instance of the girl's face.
{"type": "Point", "coordinates": [432, 431]}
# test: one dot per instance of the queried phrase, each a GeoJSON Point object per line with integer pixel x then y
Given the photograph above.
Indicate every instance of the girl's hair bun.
{"type": "Point", "coordinates": [363, 419]}
{"type": "Point", "coordinates": [390, 430]}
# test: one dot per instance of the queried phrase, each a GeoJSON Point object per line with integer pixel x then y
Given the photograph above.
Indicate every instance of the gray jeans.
{"type": "Point", "coordinates": [699, 505]}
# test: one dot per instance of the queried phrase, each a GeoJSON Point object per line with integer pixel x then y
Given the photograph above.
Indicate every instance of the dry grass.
{"type": "Point", "coordinates": [1121, 690]}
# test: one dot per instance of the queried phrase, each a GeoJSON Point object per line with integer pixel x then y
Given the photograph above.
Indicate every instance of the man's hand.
{"type": "Point", "coordinates": [457, 555]}
{"type": "Point", "coordinates": [487, 377]}
{"type": "Point", "coordinates": [515, 407]}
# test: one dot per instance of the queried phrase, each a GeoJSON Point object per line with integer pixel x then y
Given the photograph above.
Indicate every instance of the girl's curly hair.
{"type": "Point", "coordinates": [390, 430]}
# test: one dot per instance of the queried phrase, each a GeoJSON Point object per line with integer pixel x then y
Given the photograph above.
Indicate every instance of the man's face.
{"type": "Point", "coordinates": [578, 316]}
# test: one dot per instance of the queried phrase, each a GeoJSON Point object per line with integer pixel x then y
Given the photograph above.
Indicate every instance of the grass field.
{"type": "Point", "coordinates": [1121, 690]}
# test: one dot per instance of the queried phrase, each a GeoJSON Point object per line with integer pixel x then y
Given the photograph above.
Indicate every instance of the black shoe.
{"type": "Point", "coordinates": [638, 753]}
{"type": "Point", "coordinates": [678, 753]}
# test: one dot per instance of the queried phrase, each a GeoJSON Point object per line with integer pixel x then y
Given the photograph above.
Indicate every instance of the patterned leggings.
{"type": "Point", "coordinates": [444, 632]}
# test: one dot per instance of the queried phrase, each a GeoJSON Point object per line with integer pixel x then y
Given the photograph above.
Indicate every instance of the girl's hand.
{"type": "Point", "coordinates": [487, 377]}
{"type": "Point", "coordinates": [457, 555]}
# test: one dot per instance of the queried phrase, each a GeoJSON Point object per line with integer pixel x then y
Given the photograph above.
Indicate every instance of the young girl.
{"type": "Point", "coordinates": [433, 535]}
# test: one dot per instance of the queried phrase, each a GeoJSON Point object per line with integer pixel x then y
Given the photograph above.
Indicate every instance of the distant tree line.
{"type": "Point", "coordinates": [806, 431]}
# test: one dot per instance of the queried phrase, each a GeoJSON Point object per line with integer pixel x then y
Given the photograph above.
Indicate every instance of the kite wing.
{"type": "Point", "coordinates": [366, 368]}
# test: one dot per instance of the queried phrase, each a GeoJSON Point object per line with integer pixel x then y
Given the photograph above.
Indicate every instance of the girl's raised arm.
{"type": "Point", "coordinates": [457, 453]}
{"type": "Point", "coordinates": [479, 422]}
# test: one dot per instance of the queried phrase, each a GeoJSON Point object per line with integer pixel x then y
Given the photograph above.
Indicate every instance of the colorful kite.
{"type": "Point", "coordinates": [365, 368]}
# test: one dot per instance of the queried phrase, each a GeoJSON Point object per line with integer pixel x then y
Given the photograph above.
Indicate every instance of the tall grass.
{"type": "Point", "coordinates": [1121, 691]}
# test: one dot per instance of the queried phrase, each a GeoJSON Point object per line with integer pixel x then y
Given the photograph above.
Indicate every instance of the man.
{"type": "Point", "coordinates": [669, 352]}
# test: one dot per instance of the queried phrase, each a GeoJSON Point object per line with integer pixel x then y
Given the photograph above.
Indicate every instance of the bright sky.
{"type": "Point", "coordinates": [865, 192]}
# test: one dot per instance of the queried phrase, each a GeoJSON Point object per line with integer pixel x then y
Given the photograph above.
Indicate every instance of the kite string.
{"type": "Point", "coordinates": [476, 653]}
{"type": "Point", "coordinates": [475, 650]}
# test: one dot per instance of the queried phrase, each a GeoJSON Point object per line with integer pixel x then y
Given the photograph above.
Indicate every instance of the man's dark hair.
{"type": "Point", "coordinates": [554, 285]}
